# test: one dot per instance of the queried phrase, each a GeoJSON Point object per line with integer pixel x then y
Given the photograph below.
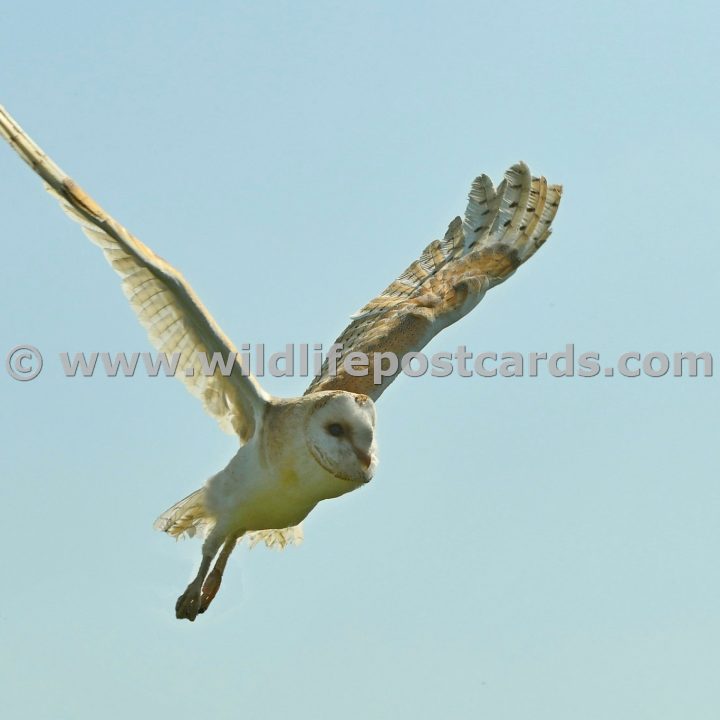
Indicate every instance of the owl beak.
{"type": "Point", "coordinates": [364, 458]}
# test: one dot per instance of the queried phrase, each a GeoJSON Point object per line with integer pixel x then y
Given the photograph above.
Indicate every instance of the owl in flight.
{"type": "Point", "coordinates": [295, 452]}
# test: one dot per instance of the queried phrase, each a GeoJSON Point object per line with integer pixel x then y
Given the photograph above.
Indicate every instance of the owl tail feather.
{"type": "Point", "coordinates": [187, 517]}
{"type": "Point", "coordinates": [190, 517]}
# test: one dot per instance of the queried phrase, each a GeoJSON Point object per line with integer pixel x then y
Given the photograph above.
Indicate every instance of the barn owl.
{"type": "Point", "coordinates": [299, 451]}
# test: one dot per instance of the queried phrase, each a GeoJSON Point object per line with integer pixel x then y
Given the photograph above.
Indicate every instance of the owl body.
{"type": "Point", "coordinates": [287, 468]}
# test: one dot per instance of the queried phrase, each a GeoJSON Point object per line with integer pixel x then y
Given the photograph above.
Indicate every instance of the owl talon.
{"type": "Point", "coordinates": [187, 605]}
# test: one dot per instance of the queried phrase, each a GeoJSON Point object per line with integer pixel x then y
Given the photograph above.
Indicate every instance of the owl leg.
{"type": "Point", "coordinates": [212, 582]}
{"type": "Point", "coordinates": [188, 604]}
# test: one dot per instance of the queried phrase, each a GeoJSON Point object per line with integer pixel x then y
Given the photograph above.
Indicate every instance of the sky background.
{"type": "Point", "coordinates": [530, 548]}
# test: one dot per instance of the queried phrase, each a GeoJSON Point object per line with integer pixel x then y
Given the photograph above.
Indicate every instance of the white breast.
{"type": "Point", "coordinates": [250, 494]}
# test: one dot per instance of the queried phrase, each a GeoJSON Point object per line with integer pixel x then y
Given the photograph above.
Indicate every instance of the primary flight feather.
{"type": "Point", "coordinates": [296, 452]}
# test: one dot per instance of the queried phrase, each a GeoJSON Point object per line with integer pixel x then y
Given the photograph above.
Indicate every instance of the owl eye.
{"type": "Point", "coordinates": [336, 429]}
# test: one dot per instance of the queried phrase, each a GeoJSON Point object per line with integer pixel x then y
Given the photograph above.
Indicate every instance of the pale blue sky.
{"type": "Point", "coordinates": [530, 548]}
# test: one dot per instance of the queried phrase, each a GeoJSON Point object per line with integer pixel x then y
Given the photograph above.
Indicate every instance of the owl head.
{"type": "Point", "coordinates": [340, 434]}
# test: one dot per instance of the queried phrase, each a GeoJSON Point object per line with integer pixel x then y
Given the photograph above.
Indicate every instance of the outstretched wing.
{"type": "Point", "coordinates": [165, 304]}
{"type": "Point", "coordinates": [501, 229]}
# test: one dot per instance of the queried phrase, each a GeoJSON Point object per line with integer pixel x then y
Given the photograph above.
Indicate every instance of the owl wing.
{"type": "Point", "coordinates": [501, 229]}
{"type": "Point", "coordinates": [164, 302]}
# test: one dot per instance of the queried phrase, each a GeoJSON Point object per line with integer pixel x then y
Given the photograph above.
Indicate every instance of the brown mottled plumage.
{"type": "Point", "coordinates": [500, 231]}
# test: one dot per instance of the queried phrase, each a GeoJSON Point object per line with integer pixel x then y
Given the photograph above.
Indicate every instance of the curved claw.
{"type": "Point", "coordinates": [188, 604]}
